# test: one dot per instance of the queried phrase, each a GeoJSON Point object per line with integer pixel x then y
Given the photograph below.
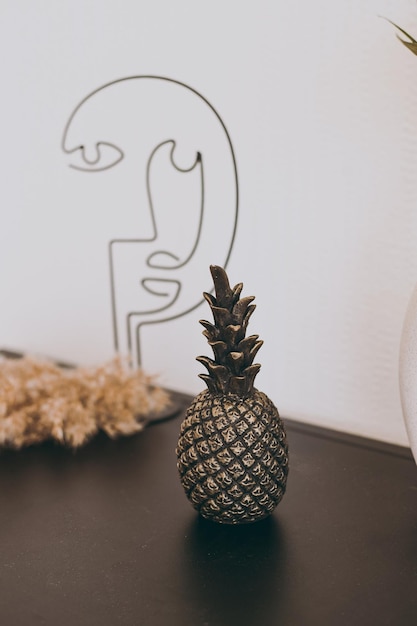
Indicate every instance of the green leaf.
{"type": "Point", "coordinates": [412, 44]}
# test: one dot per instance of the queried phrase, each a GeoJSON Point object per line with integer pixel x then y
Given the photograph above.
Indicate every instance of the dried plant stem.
{"type": "Point", "coordinates": [40, 401]}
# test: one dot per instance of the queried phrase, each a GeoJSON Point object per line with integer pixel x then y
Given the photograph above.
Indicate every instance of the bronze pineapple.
{"type": "Point", "coordinates": [232, 450]}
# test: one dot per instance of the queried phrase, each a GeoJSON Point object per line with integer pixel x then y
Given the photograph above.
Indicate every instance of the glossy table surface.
{"type": "Point", "coordinates": [106, 536]}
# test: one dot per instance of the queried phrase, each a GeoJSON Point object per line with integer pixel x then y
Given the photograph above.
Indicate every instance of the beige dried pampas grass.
{"type": "Point", "coordinates": [40, 401]}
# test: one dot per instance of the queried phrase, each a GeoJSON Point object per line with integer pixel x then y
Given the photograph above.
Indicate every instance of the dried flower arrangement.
{"type": "Point", "coordinates": [40, 401]}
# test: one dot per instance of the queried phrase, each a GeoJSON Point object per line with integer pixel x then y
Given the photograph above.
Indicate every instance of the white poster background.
{"type": "Point", "coordinates": [319, 100]}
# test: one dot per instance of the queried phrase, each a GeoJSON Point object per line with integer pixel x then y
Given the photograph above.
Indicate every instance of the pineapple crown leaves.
{"type": "Point", "coordinates": [232, 370]}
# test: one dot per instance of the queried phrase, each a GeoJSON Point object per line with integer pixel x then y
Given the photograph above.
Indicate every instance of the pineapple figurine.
{"type": "Point", "coordinates": [232, 450]}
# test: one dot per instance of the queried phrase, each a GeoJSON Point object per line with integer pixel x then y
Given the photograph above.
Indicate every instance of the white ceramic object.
{"type": "Point", "coordinates": [408, 372]}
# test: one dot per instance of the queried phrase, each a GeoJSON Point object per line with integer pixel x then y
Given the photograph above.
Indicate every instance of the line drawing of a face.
{"type": "Point", "coordinates": [179, 156]}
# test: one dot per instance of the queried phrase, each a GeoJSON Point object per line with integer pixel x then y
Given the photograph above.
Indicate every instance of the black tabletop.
{"type": "Point", "coordinates": [105, 536]}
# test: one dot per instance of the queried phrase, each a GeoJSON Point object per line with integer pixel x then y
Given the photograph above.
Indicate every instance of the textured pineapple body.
{"type": "Point", "coordinates": [233, 456]}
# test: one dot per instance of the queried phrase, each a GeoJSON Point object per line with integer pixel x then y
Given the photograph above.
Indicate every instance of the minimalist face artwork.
{"type": "Point", "coordinates": [179, 166]}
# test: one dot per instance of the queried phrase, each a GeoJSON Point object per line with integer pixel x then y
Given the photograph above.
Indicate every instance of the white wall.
{"type": "Point", "coordinates": [320, 101]}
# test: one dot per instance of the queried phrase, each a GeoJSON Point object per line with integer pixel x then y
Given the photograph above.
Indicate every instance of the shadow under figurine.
{"type": "Point", "coordinates": [232, 450]}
